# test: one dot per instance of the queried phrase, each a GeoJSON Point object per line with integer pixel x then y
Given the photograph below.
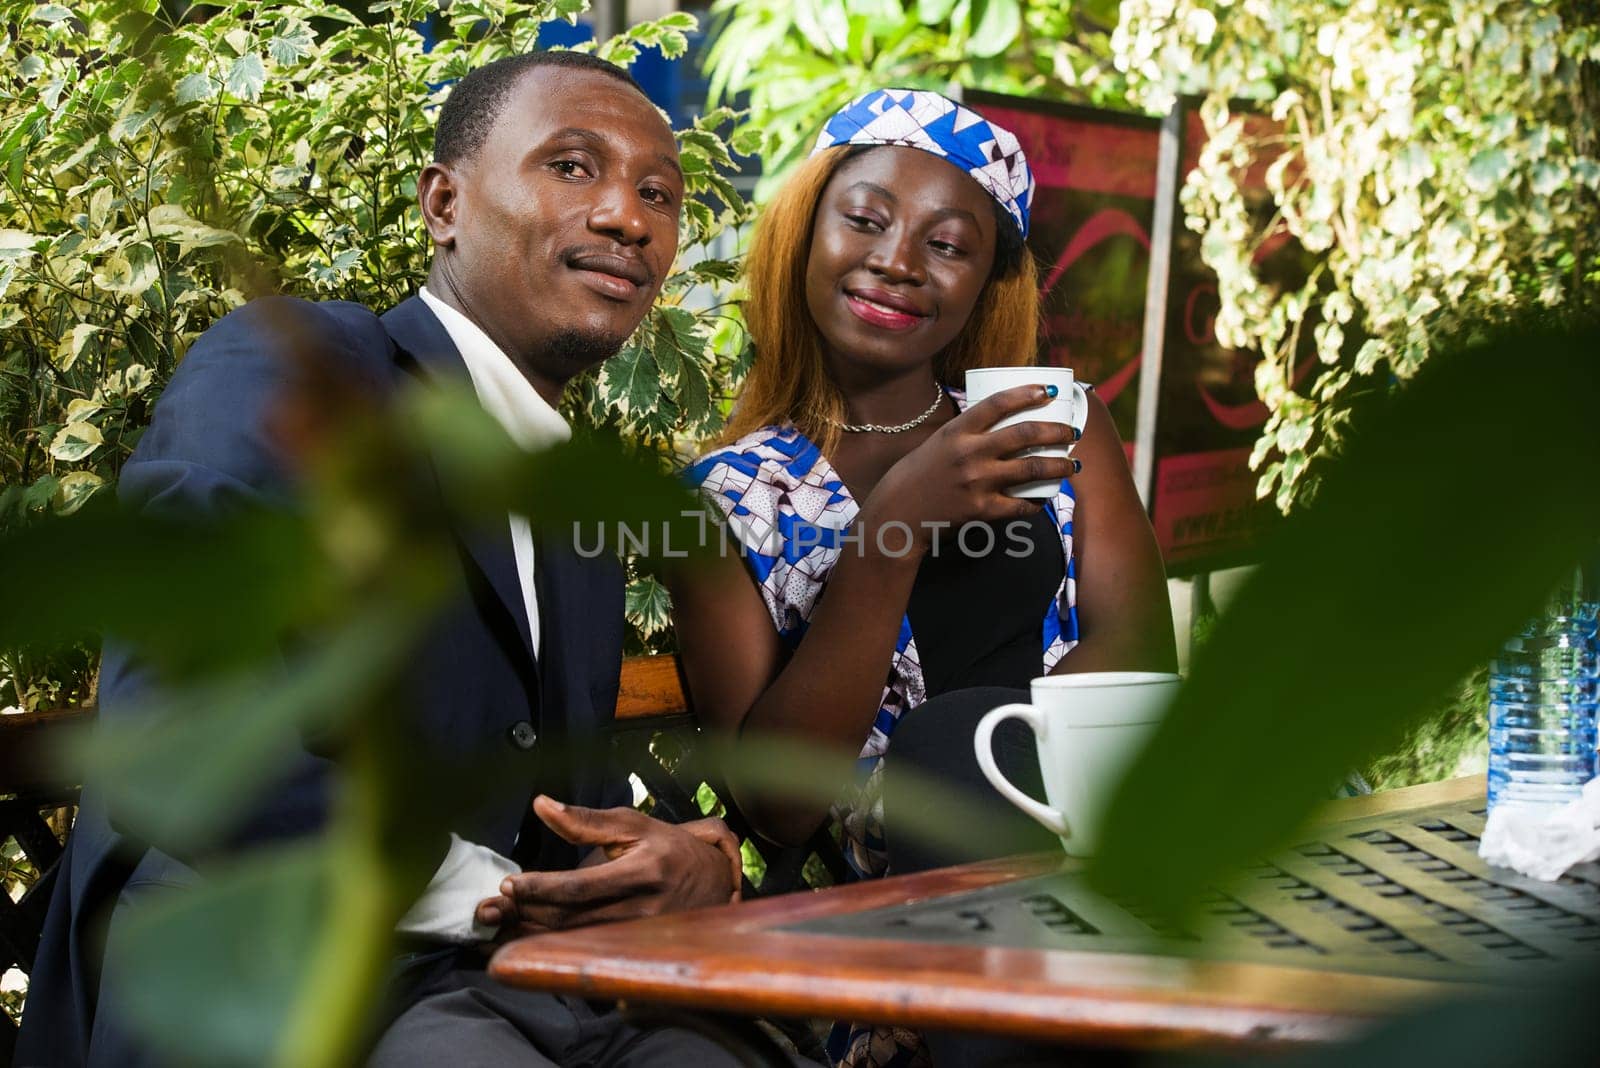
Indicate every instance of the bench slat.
{"type": "Point", "coordinates": [29, 747]}
{"type": "Point", "coordinates": [651, 686]}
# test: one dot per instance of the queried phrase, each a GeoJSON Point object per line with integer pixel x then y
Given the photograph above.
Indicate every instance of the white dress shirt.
{"type": "Point", "coordinates": [471, 872]}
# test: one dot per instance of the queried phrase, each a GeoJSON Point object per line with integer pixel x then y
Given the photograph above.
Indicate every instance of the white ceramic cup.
{"type": "Point", "coordinates": [1089, 728]}
{"type": "Point", "coordinates": [1070, 406]}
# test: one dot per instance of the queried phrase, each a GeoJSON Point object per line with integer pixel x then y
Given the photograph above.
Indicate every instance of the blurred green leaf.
{"type": "Point", "coordinates": [36, 496]}
{"type": "Point", "coordinates": [246, 76]}
{"type": "Point", "coordinates": [196, 86]}
{"type": "Point", "coordinates": [1455, 510]}
{"type": "Point", "coordinates": [122, 564]}
{"type": "Point", "coordinates": [999, 22]}
{"type": "Point", "coordinates": [565, 489]}
{"type": "Point", "coordinates": [593, 479]}
{"type": "Point", "coordinates": [75, 441]}
{"type": "Point", "coordinates": [248, 728]}
{"type": "Point", "coordinates": [209, 973]}
{"type": "Point", "coordinates": [292, 42]}
{"type": "Point", "coordinates": [76, 489]}
{"type": "Point", "coordinates": [1104, 12]}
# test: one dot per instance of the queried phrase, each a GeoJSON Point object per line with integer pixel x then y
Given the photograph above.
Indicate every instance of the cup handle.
{"type": "Point", "coordinates": [1080, 406]}
{"type": "Point", "coordinates": [983, 745]}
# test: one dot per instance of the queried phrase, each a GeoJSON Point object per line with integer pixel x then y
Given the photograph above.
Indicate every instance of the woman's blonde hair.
{"type": "Point", "coordinates": [788, 381]}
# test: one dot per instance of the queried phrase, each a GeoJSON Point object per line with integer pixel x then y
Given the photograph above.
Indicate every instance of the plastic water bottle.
{"type": "Point", "coordinates": [1543, 691]}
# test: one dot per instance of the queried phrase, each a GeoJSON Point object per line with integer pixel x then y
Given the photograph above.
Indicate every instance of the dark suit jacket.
{"type": "Point", "coordinates": [477, 685]}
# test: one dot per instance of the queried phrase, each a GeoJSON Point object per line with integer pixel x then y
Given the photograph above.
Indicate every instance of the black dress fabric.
{"type": "Point", "coordinates": [978, 615]}
{"type": "Point", "coordinates": [979, 625]}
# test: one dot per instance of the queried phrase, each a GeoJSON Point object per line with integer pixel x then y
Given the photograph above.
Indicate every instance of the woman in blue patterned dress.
{"type": "Point", "coordinates": [887, 266]}
{"type": "Point", "coordinates": [886, 591]}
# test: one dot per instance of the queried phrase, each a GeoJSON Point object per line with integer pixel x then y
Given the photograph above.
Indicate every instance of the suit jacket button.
{"type": "Point", "coordinates": [523, 736]}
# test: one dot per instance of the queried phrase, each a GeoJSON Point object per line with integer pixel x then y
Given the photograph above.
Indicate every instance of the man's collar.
{"type": "Point", "coordinates": [502, 389]}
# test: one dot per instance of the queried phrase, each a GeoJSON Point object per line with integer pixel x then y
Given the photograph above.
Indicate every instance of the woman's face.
{"type": "Point", "coordinates": [901, 249]}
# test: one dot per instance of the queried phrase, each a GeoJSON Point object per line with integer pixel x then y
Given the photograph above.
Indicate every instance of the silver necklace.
{"type": "Point", "coordinates": [875, 428]}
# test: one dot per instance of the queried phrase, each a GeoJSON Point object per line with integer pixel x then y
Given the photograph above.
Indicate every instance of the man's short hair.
{"type": "Point", "coordinates": [474, 104]}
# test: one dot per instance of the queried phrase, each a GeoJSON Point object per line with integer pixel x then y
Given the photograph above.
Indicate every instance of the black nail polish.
{"type": "Point", "coordinates": [1077, 466]}
{"type": "Point", "coordinates": [1077, 435]}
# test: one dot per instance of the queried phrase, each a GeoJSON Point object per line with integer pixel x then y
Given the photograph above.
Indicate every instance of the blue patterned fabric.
{"type": "Point", "coordinates": [785, 506]}
{"type": "Point", "coordinates": [918, 118]}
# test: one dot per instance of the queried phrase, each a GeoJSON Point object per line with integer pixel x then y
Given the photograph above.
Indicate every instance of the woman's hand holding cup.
{"type": "Point", "coordinates": [1068, 405]}
{"type": "Point", "coordinates": [964, 471]}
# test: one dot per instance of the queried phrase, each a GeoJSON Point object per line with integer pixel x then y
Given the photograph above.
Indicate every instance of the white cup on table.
{"type": "Point", "coordinates": [1070, 406]}
{"type": "Point", "coordinates": [1089, 728]}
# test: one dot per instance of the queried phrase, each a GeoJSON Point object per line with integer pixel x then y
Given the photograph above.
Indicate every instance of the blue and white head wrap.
{"type": "Point", "coordinates": [919, 118]}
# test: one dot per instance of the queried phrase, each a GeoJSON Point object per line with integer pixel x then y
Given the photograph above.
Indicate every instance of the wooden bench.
{"type": "Point", "coordinates": [654, 736]}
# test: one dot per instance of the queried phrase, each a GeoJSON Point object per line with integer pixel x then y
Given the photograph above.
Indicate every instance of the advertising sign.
{"type": "Point", "coordinates": [1207, 418]}
{"type": "Point", "coordinates": [1090, 234]}
{"type": "Point", "coordinates": [1107, 233]}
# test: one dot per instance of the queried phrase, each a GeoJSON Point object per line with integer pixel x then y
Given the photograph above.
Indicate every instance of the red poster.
{"type": "Point", "coordinates": [1203, 496]}
{"type": "Point", "coordinates": [1207, 507]}
{"type": "Point", "coordinates": [1090, 234]}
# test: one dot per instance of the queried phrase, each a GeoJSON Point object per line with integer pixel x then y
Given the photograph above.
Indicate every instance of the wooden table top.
{"type": "Point", "coordinates": [1393, 944]}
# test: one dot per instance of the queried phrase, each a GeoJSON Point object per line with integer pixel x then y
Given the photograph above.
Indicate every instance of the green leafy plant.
{"type": "Point", "coordinates": [799, 62]}
{"type": "Point", "coordinates": [161, 168]}
{"type": "Point", "coordinates": [1441, 159]}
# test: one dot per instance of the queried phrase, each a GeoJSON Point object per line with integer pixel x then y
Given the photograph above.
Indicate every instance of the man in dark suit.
{"type": "Point", "coordinates": [553, 204]}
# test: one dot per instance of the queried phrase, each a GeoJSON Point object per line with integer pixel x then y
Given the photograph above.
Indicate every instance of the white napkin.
{"type": "Point", "coordinates": [1543, 842]}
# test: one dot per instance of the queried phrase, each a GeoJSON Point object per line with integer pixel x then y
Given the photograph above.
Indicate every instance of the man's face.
{"type": "Point", "coordinates": [558, 233]}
